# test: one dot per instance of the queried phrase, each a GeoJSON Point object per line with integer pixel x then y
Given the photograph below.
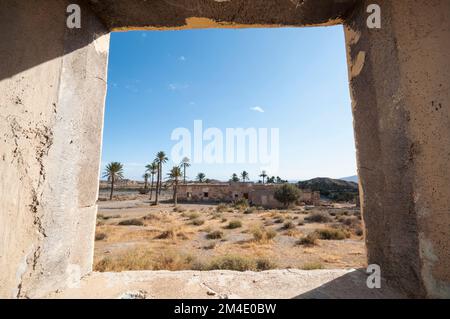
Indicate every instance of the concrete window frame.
{"type": "Point", "coordinates": [52, 94]}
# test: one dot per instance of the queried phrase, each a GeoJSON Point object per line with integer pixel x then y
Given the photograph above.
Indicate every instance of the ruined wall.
{"type": "Point", "coordinates": [399, 78]}
{"type": "Point", "coordinates": [52, 89]}
{"type": "Point", "coordinates": [257, 194]}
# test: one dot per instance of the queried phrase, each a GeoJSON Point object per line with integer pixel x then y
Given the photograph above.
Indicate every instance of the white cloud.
{"type": "Point", "coordinates": [175, 86]}
{"type": "Point", "coordinates": [182, 58]}
{"type": "Point", "coordinates": [257, 109]}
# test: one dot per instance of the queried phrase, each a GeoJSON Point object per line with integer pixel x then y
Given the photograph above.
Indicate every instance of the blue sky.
{"type": "Point", "coordinates": [293, 79]}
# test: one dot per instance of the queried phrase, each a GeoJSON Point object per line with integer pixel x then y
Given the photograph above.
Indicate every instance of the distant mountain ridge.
{"type": "Point", "coordinates": [353, 178]}
{"type": "Point", "coordinates": [334, 189]}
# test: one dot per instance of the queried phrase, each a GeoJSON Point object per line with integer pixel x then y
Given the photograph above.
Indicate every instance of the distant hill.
{"type": "Point", "coordinates": [353, 178]}
{"type": "Point", "coordinates": [333, 189]}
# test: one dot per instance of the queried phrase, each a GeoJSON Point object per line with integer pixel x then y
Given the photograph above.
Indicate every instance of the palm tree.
{"type": "Point", "coordinates": [185, 163]}
{"type": "Point", "coordinates": [160, 159]}
{"type": "Point", "coordinates": [201, 177]}
{"type": "Point", "coordinates": [152, 169]}
{"type": "Point", "coordinates": [113, 171]}
{"type": "Point", "coordinates": [174, 176]}
{"type": "Point", "coordinates": [263, 175]}
{"type": "Point", "coordinates": [146, 176]}
{"type": "Point", "coordinates": [244, 176]}
{"type": "Point", "coordinates": [234, 178]}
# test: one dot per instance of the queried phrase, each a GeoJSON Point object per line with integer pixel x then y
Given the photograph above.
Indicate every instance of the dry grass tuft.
{"type": "Point", "coordinates": [263, 235]}
{"type": "Point", "coordinates": [308, 240]}
{"type": "Point", "coordinates": [312, 266]}
{"type": "Point", "coordinates": [145, 259]}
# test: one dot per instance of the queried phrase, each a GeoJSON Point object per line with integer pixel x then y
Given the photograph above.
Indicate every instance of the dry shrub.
{"type": "Point", "coordinates": [198, 222]}
{"type": "Point", "coordinates": [145, 259]}
{"type": "Point", "coordinates": [210, 245]}
{"type": "Point", "coordinates": [288, 225]}
{"type": "Point", "coordinates": [216, 216]}
{"type": "Point", "coordinates": [262, 235]}
{"type": "Point", "coordinates": [250, 210]}
{"type": "Point", "coordinates": [241, 204]}
{"type": "Point", "coordinates": [131, 222]}
{"type": "Point", "coordinates": [194, 215]}
{"type": "Point", "coordinates": [348, 221]}
{"type": "Point", "coordinates": [234, 224]}
{"type": "Point", "coordinates": [308, 240]}
{"type": "Point", "coordinates": [179, 209]}
{"type": "Point", "coordinates": [265, 264]}
{"type": "Point", "coordinates": [217, 234]}
{"type": "Point", "coordinates": [151, 216]}
{"type": "Point", "coordinates": [222, 208]}
{"type": "Point", "coordinates": [318, 217]}
{"type": "Point", "coordinates": [292, 232]}
{"type": "Point", "coordinates": [278, 219]}
{"type": "Point", "coordinates": [359, 231]}
{"type": "Point", "coordinates": [332, 234]}
{"type": "Point", "coordinates": [240, 263]}
{"type": "Point", "coordinates": [100, 236]}
{"type": "Point", "coordinates": [312, 266]}
{"type": "Point", "coordinates": [172, 233]}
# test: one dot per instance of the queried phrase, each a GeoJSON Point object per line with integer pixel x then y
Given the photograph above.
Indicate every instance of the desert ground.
{"type": "Point", "coordinates": [132, 234]}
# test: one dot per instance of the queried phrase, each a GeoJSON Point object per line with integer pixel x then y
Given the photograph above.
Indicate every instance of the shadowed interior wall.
{"type": "Point", "coordinates": [52, 90]}
{"type": "Point", "coordinates": [399, 78]}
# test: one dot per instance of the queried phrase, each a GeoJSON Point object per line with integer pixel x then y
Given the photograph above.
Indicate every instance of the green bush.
{"type": "Point", "coordinates": [287, 194]}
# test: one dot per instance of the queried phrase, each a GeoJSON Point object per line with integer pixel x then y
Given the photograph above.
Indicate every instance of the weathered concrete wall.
{"type": "Point", "coordinates": [399, 77]}
{"type": "Point", "coordinates": [52, 89]}
{"type": "Point", "coordinates": [190, 14]}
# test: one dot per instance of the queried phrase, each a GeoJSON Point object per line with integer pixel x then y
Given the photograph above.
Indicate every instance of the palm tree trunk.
{"type": "Point", "coordinates": [151, 188]}
{"type": "Point", "coordinates": [160, 178]}
{"type": "Point", "coordinates": [157, 186]}
{"type": "Point", "coordinates": [112, 188]}
{"type": "Point", "coordinates": [184, 174]}
{"type": "Point", "coordinates": [145, 185]}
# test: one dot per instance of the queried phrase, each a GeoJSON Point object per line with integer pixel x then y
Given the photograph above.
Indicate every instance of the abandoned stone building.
{"type": "Point", "coordinates": [256, 194]}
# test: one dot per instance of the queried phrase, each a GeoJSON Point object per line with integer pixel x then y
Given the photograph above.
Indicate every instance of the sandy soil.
{"type": "Point", "coordinates": [177, 239]}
